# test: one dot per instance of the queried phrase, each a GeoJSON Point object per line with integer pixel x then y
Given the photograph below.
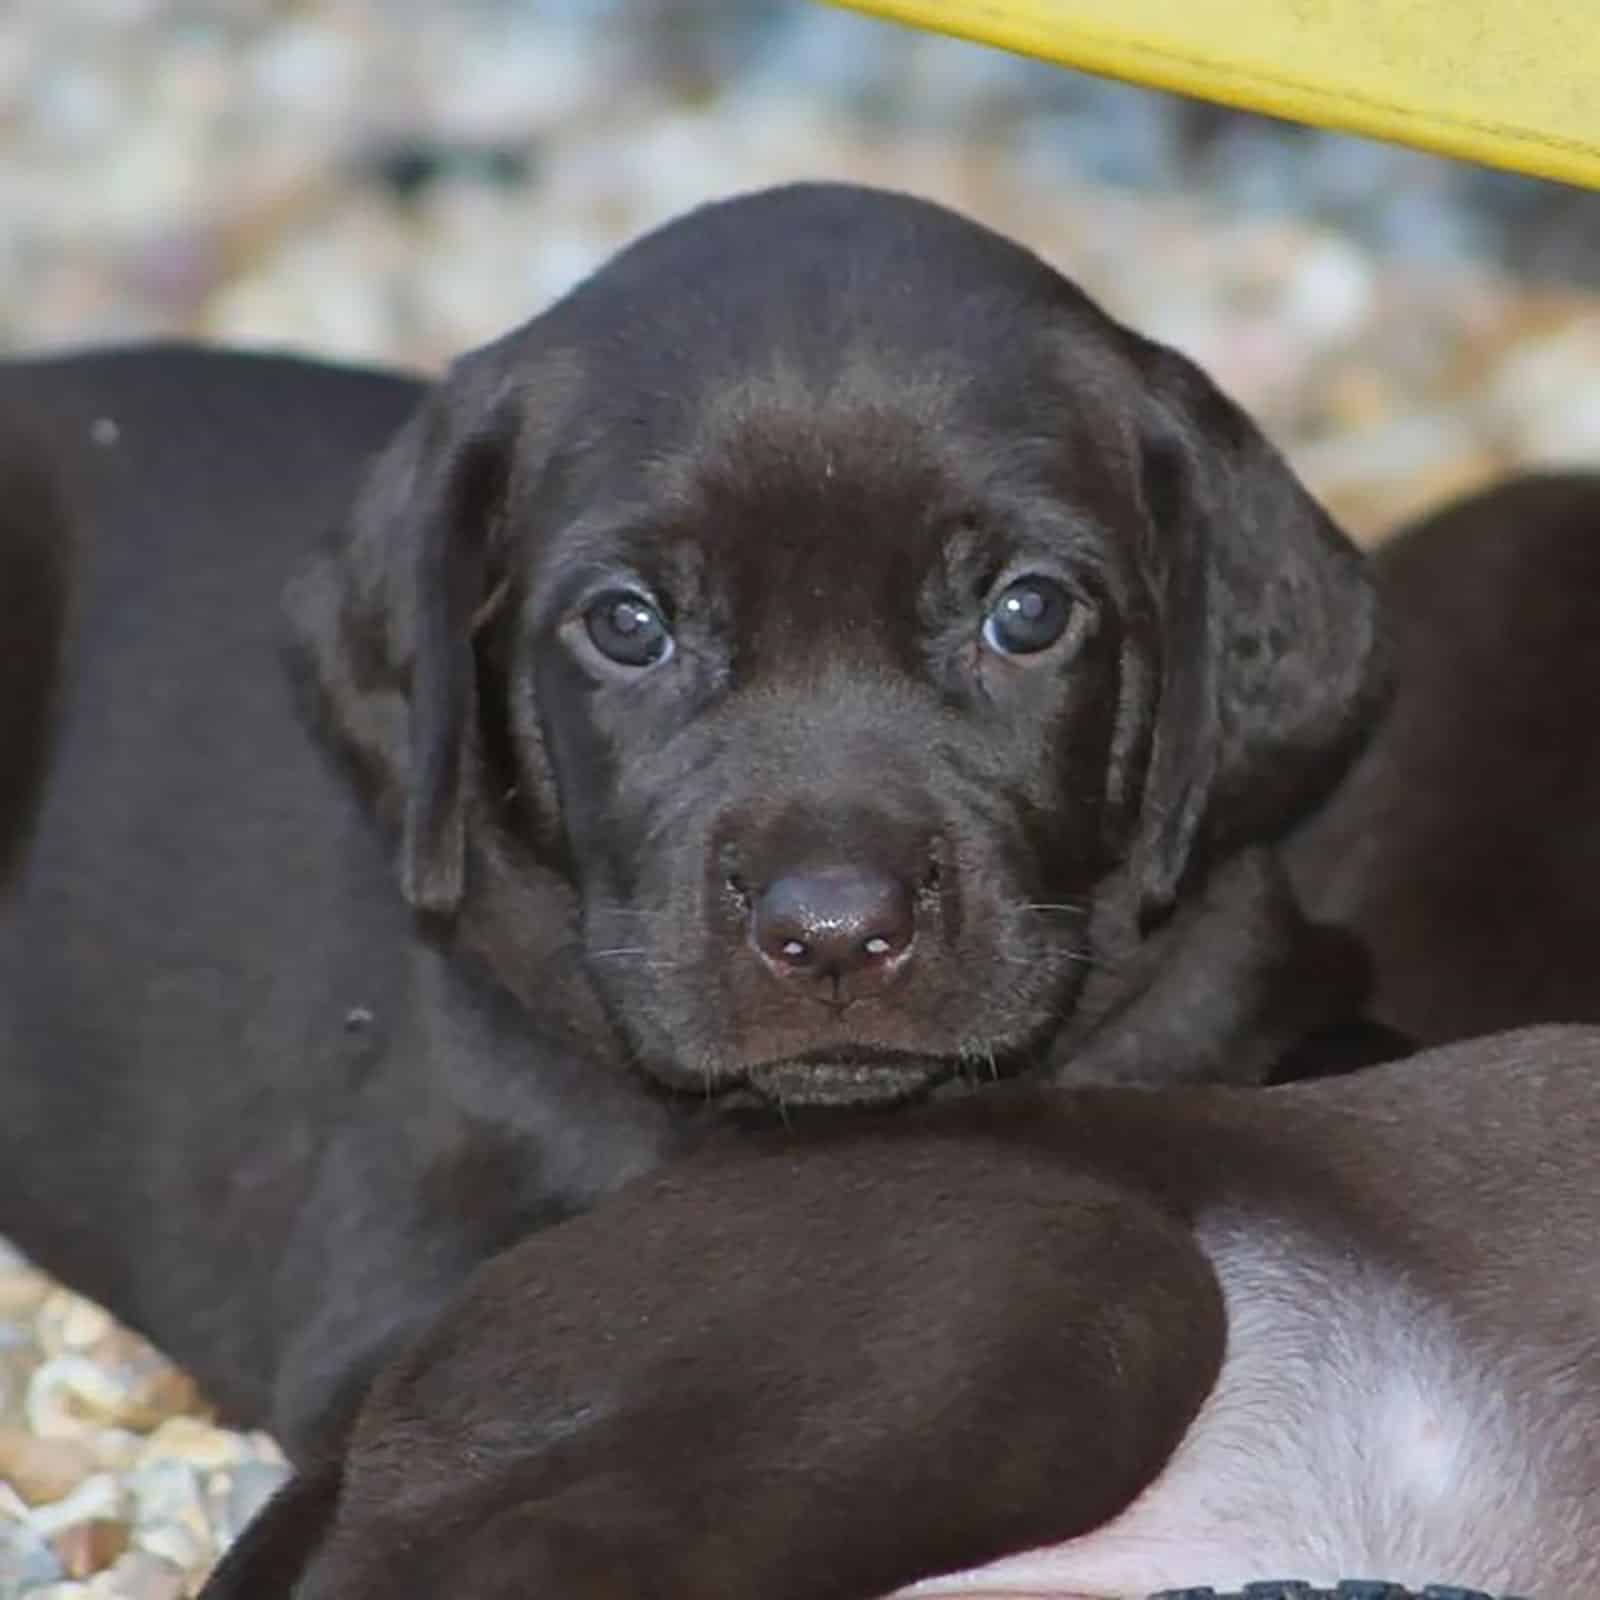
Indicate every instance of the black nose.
{"type": "Point", "coordinates": [833, 922]}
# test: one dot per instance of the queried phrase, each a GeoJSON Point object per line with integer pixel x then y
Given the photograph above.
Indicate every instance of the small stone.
{"type": "Point", "coordinates": [26, 1562]}
{"type": "Point", "coordinates": [163, 1391]}
{"type": "Point", "coordinates": [141, 1575]}
{"type": "Point", "coordinates": [72, 1394]}
{"type": "Point", "coordinates": [195, 1442]}
{"type": "Point", "coordinates": [42, 1470]}
{"type": "Point", "coordinates": [116, 1449]}
{"type": "Point", "coordinates": [172, 1541]}
{"type": "Point", "coordinates": [1330, 291]}
{"type": "Point", "coordinates": [68, 1324]}
{"type": "Point", "coordinates": [18, 1360]}
{"type": "Point", "coordinates": [26, 1559]}
{"type": "Point", "coordinates": [247, 1490]}
{"type": "Point", "coordinates": [170, 1493]}
{"type": "Point", "coordinates": [97, 1498]}
{"type": "Point", "coordinates": [1357, 395]}
{"type": "Point", "coordinates": [263, 1447]}
{"type": "Point", "coordinates": [1544, 401]}
{"type": "Point", "coordinates": [90, 1547]}
{"type": "Point", "coordinates": [22, 1292]}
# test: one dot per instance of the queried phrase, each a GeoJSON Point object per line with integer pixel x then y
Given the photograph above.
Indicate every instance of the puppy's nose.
{"type": "Point", "coordinates": [833, 922]}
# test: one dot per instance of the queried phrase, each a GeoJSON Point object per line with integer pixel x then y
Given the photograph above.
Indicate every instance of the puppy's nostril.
{"type": "Point", "coordinates": [833, 922]}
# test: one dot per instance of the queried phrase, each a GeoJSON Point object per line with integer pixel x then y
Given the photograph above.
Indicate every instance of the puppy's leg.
{"type": "Point", "coordinates": [813, 1374]}
{"type": "Point", "coordinates": [438, 1159]}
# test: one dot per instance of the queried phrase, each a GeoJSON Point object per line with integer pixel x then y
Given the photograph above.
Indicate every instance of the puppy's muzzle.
{"type": "Point", "coordinates": [839, 933]}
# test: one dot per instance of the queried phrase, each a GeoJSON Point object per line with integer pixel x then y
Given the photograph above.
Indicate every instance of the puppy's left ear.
{"type": "Point", "coordinates": [386, 616]}
{"type": "Point", "coordinates": [1273, 670]}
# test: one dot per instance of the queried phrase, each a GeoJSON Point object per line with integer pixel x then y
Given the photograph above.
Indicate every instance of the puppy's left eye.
{"type": "Point", "coordinates": [1028, 616]}
{"type": "Point", "coordinates": [626, 628]}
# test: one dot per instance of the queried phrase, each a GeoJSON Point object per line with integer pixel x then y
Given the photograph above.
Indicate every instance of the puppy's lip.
{"type": "Point", "coordinates": [822, 1078]}
{"type": "Point", "coordinates": [844, 1076]}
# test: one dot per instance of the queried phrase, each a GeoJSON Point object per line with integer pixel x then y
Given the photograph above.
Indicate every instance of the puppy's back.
{"type": "Point", "coordinates": [1465, 847]}
{"type": "Point", "coordinates": [200, 900]}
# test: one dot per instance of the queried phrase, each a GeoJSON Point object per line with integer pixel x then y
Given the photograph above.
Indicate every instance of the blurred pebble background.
{"type": "Point", "coordinates": [393, 181]}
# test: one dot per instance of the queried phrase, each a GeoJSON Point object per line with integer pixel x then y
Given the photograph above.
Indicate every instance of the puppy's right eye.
{"type": "Point", "coordinates": [626, 628]}
{"type": "Point", "coordinates": [1027, 617]}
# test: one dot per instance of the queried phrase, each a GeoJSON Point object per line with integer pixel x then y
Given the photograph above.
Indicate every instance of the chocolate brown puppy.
{"type": "Point", "coordinates": [1115, 1342]}
{"type": "Point", "coordinates": [820, 661]}
{"type": "Point", "coordinates": [1464, 848]}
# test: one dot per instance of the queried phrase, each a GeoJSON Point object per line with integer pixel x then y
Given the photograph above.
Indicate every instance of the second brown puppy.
{"type": "Point", "coordinates": [1464, 848]}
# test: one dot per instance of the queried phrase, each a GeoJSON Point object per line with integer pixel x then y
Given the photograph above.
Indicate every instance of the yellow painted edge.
{"type": "Point", "coordinates": [1492, 144]}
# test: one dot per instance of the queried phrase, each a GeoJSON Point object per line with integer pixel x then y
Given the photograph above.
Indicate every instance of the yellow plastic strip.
{"type": "Point", "coordinates": [1510, 83]}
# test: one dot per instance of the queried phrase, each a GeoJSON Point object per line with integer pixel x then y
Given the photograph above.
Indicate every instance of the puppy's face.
{"type": "Point", "coordinates": [829, 595]}
{"type": "Point", "coordinates": [829, 683]}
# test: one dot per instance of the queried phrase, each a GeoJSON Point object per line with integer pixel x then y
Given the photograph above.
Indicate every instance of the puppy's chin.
{"type": "Point", "coordinates": [837, 1078]}
{"type": "Point", "coordinates": [843, 1079]}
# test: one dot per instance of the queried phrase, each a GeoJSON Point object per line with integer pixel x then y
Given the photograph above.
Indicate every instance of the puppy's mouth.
{"type": "Point", "coordinates": [848, 1078]}
{"type": "Point", "coordinates": [862, 1077]}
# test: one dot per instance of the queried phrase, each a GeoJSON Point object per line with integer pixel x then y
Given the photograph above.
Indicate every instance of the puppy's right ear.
{"type": "Point", "coordinates": [269, 1558]}
{"type": "Point", "coordinates": [386, 615]}
{"type": "Point", "coordinates": [1274, 661]}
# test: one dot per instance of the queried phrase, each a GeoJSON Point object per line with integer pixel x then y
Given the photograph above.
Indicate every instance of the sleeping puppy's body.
{"type": "Point", "coordinates": [241, 1100]}
{"type": "Point", "coordinates": [821, 659]}
{"type": "Point", "coordinates": [1464, 847]}
{"type": "Point", "coordinates": [1115, 1342]}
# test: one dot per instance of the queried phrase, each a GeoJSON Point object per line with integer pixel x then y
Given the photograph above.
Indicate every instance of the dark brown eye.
{"type": "Point", "coordinates": [626, 628]}
{"type": "Point", "coordinates": [1028, 616]}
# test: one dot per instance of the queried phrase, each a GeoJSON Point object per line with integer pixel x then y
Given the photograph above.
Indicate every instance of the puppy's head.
{"type": "Point", "coordinates": [841, 612]}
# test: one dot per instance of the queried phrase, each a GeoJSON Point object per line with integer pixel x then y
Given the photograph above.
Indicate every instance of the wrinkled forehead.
{"type": "Point", "coordinates": [824, 489]}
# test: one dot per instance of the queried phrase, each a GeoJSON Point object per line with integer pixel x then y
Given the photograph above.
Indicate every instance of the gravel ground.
{"type": "Point", "coordinates": [394, 181]}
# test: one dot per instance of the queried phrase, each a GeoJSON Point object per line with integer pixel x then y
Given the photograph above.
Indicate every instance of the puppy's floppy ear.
{"type": "Point", "coordinates": [387, 612]}
{"type": "Point", "coordinates": [1273, 669]}
{"type": "Point", "coordinates": [274, 1551]}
